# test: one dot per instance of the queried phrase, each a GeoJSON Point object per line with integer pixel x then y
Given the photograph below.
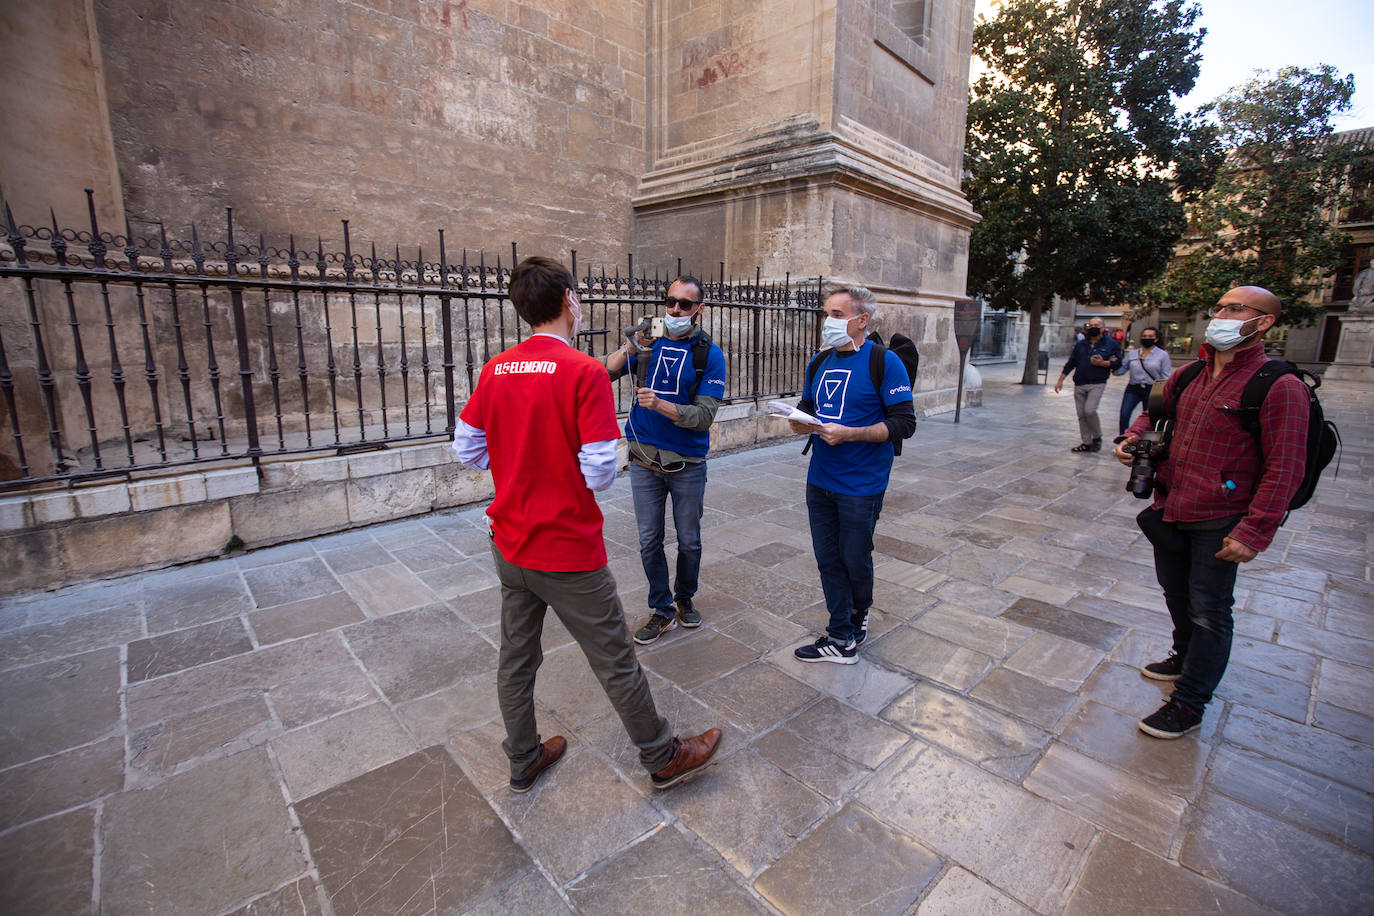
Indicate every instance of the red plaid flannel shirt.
{"type": "Point", "coordinates": [1210, 447]}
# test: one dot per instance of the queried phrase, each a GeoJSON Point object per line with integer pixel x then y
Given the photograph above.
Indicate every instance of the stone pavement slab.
{"type": "Point", "coordinates": [312, 728]}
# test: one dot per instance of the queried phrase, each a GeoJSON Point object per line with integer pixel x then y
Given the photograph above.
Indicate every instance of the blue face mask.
{"type": "Point", "coordinates": [677, 325]}
{"type": "Point", "coordinates": [835, 332]}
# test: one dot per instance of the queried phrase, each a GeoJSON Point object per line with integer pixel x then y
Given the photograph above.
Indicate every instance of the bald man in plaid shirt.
{"type": "Point", "coordinates": [1221, 497]}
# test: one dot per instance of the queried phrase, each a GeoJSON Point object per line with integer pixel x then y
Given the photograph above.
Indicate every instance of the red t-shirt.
{"type": "Point", "coordinates": [539, 403]}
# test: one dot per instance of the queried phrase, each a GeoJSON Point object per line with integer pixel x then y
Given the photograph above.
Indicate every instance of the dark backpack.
{"type": "Point", "coordinates": [904, 348]}
{"type": "Point", "coordinates": [1323, 439]}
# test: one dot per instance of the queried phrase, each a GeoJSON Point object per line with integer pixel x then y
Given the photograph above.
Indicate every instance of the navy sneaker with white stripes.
{"type": "Point", "coordinates": [860, 622]}
{"type": "Point", "coordinates": [826, 649]}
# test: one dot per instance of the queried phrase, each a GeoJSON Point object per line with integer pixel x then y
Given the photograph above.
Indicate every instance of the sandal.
{"type": "Point", "coordinates": [1082, 448]}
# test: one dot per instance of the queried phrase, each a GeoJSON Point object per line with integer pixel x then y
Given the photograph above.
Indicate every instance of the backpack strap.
{"type": "Point", "coordinates": [1183, 379]}
{"type": "Point", "coordinates": [701, 352]}
{"type": "Point", "coordinates": [1257, 389]}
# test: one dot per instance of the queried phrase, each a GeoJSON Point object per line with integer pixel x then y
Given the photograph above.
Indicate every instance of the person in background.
{"type": "Point", "coordinates": [1146, 365]}
{"type": "Point", "coordinates": [1091, 362]}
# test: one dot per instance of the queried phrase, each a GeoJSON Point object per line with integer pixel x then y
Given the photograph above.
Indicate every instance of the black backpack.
{"type": "Point", "coordinates": [904, 348]}
{"type": "Point", "coordinates": [1323, 439]}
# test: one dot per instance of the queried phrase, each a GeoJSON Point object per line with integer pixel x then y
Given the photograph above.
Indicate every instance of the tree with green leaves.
{"type": "Point", "coordinates": [1268, 219]}
{"type": "Point", "coordinates": [1077, 158]}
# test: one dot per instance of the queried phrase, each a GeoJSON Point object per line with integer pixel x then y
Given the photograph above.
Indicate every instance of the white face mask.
{"type": "Point", "coordinates": [835, 332]}
{"type": "Point", "coordinates": [1225, 333]}
{"type": "Point", "coordinates": [678, 325]}
{"type": "Point", "coordinates": [576, 308]}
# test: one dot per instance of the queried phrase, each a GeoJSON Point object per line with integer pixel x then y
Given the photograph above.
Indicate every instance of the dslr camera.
{"type": "Point", "coordinates": [1146, 454]}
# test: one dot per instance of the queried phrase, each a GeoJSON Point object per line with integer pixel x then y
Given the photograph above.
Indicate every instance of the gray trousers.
{"type": "Point", "coordinates": [588, 605]}
{"type": "Point", "coordinates": [1085, 401]}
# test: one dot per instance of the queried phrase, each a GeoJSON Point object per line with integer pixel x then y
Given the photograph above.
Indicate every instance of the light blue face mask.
{"type": "Point", "coordinates": [677, 325]}
{"type": "Point", "coordinates": [835, 332]}
{"type": "Point", "coordinates": [1225, 333]}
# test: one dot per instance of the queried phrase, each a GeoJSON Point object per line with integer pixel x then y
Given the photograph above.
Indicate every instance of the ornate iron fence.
{"type": "Point", "coordinates": [125, 353]}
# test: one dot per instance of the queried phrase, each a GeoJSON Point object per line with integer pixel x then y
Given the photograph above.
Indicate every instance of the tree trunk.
{"type": "Point", "coordinates": [1030, 375]}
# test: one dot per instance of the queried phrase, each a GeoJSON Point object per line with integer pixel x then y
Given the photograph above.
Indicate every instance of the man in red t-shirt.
{"type": "Point", "coordinates": [543, 419]}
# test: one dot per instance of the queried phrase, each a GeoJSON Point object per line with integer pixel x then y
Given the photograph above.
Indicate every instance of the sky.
{"type": "Point", "coordinates": [1248, 35]}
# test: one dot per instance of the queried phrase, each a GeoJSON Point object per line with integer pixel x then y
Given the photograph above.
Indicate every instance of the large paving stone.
{"type": "Point", "coordinates": [746, 808]}
{"type": "Point", "coordinates": [387, 589]}
{"type": "Point", "coordinates": [1127, 806]}
{"type": "Point", "coordinates": [59, 704]}
{"type": "Point", "coordinates": [528, 892]}
{"type": "Point", "coordinates": [1295, 795]}
{"type": "Point", "coordinates": [810, 762]}
{"type": "Point", "coordinates": [865, 686]}
{"type": "Point", "coordinates": [1269, 860]}
{"type": "Point", "coordinates": [337, 749]}
{"type": "Point", "coordinates": [48, 640]}
{"type": "Point", "coordinates": [761, 631]}
{"type": "Point", "coordinates": [241, 676]}
{"type": "Point", "coordinates": [1243, 686]}
{"type": "Point", "coordinates": [1024, 697]}
{"type": "Point", "coordinates": [1312, 749]}
{"type": "Point", "coordinates": [437, 717]}
{"type": "Point", "coordinates": [1061, 663]}
{"type": "Point", "coordinates": [1058, 621]}
{"type": "Point", "coordinates": [1327, 644]}
{"type": "Point", "coordinates": [62, 781]}
{"type": "Point", "coordinates": [864, 739]}
{"type": "Point", "coordinates": [222, 730]}
{"type": "Point", "coordinates": [320, 693]}
{"type": "Point", "coordinates": [175, 605]}
{"type": "Point", "coordinates": [46, 866]}
{"type": "Point", "coordinates": [291, 581]}
{"type": "Point", "coordinates": [299, 898]}
{"type": "Point", "coordinates": [991, 636]}
{"type": "Point", "coordinates": [1121, 878]}
{"type": "Point", "coordinates": [991, 739]}
{"type": "Point", "coordinates": [929, 657]}
{"type": "Point", "coordinates": [1349, 686]}
{"type": "Point", "coordinates": [852, 863]}
{"type": "Point", "coordinates": [159, 655]}
{"type": "Point", "coordinates": [303, 618]}
{"type": "Point", "coordinates": [411, 836]}
{"type": "Point", "coordinates": [199, 842]}
{"type": "Point", "coordinates": [756, 696]}
{"type": "Point", "coordinates": [578, 813]}
{"type": "Point", "coordinates": [632, 881]}
{"type": "Point", "coordinates": [413, 653]}
{"type": "Point", "coordinates": [1114, 737]}
{"type": "Point", "coordinates": [697, 657]}
{"type": "Point", "coordinates": [960, 893]}
{"type": "Point", "coordinates": [967, 814]}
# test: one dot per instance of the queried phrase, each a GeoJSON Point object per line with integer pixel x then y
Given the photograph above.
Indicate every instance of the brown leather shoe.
{"type": "Point", "coordinates": [690, 756]}
{"type": "Point", "coordinates": [550, 752]}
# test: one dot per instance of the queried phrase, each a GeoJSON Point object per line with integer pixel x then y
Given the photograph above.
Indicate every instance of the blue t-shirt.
{"type": "Point", "coordinates": [842, 392]}
{"type": "Point", "coordinates": [671, 376]}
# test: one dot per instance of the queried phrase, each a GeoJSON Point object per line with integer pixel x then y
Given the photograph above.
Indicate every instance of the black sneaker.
{"type": "Point", "coordinates": [826, 649]}
{"type": "Point", "coordinates": [1167, 670]}
{"type": "Point", "coordinates": [687, 614]}
{"type": "Point", "coordinates": [656, 626]}
{"type": "Point", "coordinates": [1172, 720]}
{"type": "Point", "coordinates": [860, 623]}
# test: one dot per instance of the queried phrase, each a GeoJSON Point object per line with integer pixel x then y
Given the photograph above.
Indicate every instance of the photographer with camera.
{"type": "Point", "coordinates": [679, 386]}
{"type": "Point", "coordinates": [1092, 361]}
{"type": "Point", "coordinates": [1220, 495]}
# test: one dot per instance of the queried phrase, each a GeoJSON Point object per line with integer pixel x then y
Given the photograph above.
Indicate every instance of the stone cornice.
{"type": "Point", "coordinates": [855, 157]}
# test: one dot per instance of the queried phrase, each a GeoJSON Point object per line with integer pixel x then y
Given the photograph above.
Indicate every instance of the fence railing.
{"type": "Point", "coordinates": [124, 353]}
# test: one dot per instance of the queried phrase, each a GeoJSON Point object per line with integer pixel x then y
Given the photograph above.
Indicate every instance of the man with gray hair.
{"type": "Point", "coordinates": [850, 464]}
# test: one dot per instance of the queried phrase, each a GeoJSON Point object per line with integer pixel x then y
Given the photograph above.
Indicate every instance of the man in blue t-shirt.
{"type": "Point", "coordinates": [850, 463]}
{"type": "Point", "coordinates": [668, 433]}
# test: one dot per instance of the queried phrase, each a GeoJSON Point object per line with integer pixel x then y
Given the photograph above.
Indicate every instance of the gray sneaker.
{"type": "Point", "coordinates": [687, 614]}
{"type": "Point", "coordinates": [654, 628]}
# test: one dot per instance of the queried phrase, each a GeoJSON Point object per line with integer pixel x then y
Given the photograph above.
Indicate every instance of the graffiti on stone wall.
{"type": "Point", "coordinates": [461, 8]}
{"type": "Point", "coordinates": [705, 66]}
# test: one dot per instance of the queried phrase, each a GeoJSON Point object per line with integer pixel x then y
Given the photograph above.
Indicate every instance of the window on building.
{"type": "Point", "coordinates": [913, 18]}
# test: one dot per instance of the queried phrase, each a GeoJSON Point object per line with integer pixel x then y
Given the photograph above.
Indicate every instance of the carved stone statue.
{"type": "Point", "coordinates": [1362, 297]}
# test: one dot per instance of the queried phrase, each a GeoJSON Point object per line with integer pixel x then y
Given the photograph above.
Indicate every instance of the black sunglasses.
{"type": "Point", "coordinates": [674, 302]}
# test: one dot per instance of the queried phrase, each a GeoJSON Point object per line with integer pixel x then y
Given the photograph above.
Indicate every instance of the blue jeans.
{"type": "Point", "coordinates": [1131, 398]}
{"type": "Point", "coordinates": [842, 536]}
{"type": "Point", "coordinates": [651, 490]}
{"type": "Point", "coordinates": [1199, 592]}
